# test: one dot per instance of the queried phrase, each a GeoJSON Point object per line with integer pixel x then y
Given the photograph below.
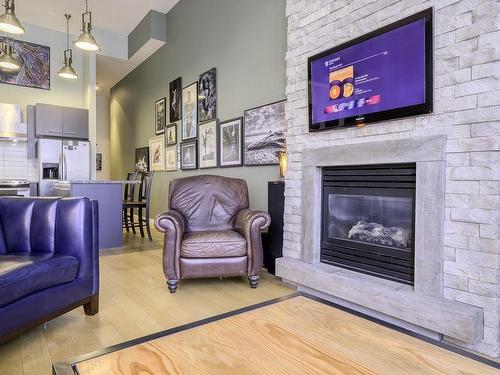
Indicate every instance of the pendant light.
{"type": "Point", "coordinates": [86, 41]}
{"type": "Point", "coordinates": [67, 70]}
{"type": "Point", "coordinates": [8, 63]}
{"type": "Point", "coordinates": [9, 22]}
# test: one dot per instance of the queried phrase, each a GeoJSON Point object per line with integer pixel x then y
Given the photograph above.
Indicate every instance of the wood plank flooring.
{"type": "Point", "coordinates": [134, 302]}
{"type": "Point", "coordinates": [295, 336]}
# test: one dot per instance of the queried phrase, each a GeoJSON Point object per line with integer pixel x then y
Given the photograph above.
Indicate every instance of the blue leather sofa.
{"type": "Point", "coordinates": [49, 260]}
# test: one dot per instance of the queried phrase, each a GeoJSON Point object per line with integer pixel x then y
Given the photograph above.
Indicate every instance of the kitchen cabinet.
{"type": "Point", "coordinates": [75, 123]}
{"type": "Point", "coordinates": [61, 122]}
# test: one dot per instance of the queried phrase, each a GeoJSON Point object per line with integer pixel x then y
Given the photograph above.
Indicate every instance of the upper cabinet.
{"type": "Point", "coordinates": [61, 122]}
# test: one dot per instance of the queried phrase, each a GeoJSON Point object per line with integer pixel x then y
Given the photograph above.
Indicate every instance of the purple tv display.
{"type": "Point", "coordinates": [380, 76]}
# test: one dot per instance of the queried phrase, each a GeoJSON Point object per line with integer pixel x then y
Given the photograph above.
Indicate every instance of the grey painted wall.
{"type": "Point", "coordinates": [245, 41]}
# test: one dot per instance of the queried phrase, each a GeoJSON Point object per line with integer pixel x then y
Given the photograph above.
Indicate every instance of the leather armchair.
{"type": "Point", "coordinates": [49, 260]}
{"type": "Point", "coordinates": [210, 231]}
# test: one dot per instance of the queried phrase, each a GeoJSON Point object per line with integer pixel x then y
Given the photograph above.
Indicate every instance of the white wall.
{"type": "Point", "coordinates": [103, 136]}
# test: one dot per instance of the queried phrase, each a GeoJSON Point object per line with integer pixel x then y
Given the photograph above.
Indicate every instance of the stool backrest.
{"type": "Point", "coordinates": [145, 188]}
{"type": "Point", "coordinates": [129, 191]}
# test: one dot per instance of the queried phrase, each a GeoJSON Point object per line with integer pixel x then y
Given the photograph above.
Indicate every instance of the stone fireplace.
{"type": "Point", "coordinates": [454, 243]}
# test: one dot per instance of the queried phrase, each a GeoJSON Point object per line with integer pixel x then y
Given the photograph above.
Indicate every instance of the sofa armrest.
{"type": "Point", "coordinates": [250, 224]}
{"type": "Point", "coordinates": [172, 224]}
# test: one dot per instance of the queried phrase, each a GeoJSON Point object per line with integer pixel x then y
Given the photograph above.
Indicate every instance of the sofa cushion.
{"type": "Point", "coordinates": [22, 275]}
{"type": "Point", "coordinates": [213, 244]}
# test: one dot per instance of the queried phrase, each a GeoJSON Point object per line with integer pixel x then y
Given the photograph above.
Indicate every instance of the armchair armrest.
{"type": "Point", "coordinates": [173, 225]}
{"type": "Point", "coordinates": [250, 224]}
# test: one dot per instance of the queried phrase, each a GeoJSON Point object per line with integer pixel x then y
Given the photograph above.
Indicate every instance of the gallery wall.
{"type": "Point", "coordinates": [245, 41]}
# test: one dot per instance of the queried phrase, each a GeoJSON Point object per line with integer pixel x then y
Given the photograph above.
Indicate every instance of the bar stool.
{"type": "Point", "coordinates": [129, 196]}
{"type": "Point", "coordinates": [142, 204]}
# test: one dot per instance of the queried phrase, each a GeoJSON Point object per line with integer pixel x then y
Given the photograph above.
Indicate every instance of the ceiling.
{"type": "Point", "coordinates": [119, 16]}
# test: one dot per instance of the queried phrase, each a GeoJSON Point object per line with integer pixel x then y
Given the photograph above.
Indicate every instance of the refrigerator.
{"type": "Point", "coordinates": [62, 160]}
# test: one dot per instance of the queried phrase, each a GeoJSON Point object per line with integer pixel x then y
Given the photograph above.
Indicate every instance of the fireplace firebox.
{"type": "Point", "coordinates": [368, 219]}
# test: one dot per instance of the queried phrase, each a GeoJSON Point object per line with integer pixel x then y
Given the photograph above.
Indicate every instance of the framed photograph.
{"type": "Point", "coordinates": [160, 113]}
{"type": "Point", "coordinates": [189, 125]}
{"type": "Point", "coordinates": [207, 99]}
{"type": "Point", "coordinates": [175, 92]}
{"type": "Point", "coordinates": [207, 144]}
{"type": "Point", "coordinates": [98, 162]}
{"type": "Point", "coordinates": [230, 143]}
{"type": "Point", "coordinates": [171, 134]}
{"type": "Point", "coordinates": [264, 131]}
{"type": "Point", "coordinates": [157, 153]}
{"type": "Point", "coordinates": [142, 159]}
{"type": "Point", "coordinates": [171, 159]}
{"type": "Point", "coordinates": [35, 65]}
{"type": "Point", "coordinates": [189, 159]}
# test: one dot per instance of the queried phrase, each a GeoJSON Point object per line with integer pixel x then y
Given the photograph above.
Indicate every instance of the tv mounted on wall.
{"type": "Point", "coordinates": [383, 75]}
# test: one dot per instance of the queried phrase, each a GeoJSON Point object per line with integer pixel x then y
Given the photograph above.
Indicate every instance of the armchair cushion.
{"type": "Point", "coordinates": [213, 244]}
{"type": "Point", "coordinates": [22, 275]}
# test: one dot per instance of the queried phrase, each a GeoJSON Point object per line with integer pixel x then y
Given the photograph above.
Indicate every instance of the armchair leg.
{"type": "Point", "coordinates": [254, 281]}
{"type": "Point", "coordinates": [172, 285]}
{"type": "Point", "coordinates": [92, 307]}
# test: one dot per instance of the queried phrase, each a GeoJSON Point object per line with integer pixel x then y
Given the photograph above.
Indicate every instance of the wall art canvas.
{"type": "Point", "coordinates": [171, 134]}
{"type": "Point", "coordinates": [98, 162]}
{"type": "Point", "coordinates": [175, 92]}
{"type": "Point", "coordinates": [207, 145]}
{"type": "Point", "coordinates": [189, 158]}
{"type": "Point", "coordinates": [171, 159]}
{"type": "Point", "coordinates": [160, 115]}
{"type": "Point", "coordinates": [142, 159]}
{"type": "Point", "coordinates": [157, 153]}
{"type": "Point", "coordinates": [230, 142]}
{"type": "Point", "coordinates": [264, 133]}
{"type": "Point", "coordinates": [35, 65]}
{"type": "Point", "coordinates": [207, 99]}
{"type": "Point", "coordinates": [189, 112]}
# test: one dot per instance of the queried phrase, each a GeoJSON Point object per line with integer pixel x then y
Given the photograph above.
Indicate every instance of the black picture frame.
{"type": "Point", "coordinates": [414, 110]}
{"type": "Point", "coordinates": [207, 96]}
{"type": "Point", "coordinates": [189, 111]}
{"type": "Point", "coordinates": [98, 161]}
{"type": "Point", "coordinates": [215, 162]}
{"type": "Point", "coordinates": [184, 147]}
{"type": "Point", "coordinates": [160, 116]}
{"type": "Point", "coordinates": [140, 153]}
{"type": "Point", "coordinates": [238, 142]}
{"type": "Point", "coordinates": [175, 96]}
{"type": "Point", "coordinates": [169, 129]}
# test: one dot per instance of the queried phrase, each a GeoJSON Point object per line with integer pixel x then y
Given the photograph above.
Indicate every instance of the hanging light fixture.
{"type": "Point", "coordinates": [8, 63]}
{"type": "Point", "coordinates": [67, 70]}
{"type": "Point", "coordinates": [86, 41]}
{"type": "Point", "coordinates": [9, 22]}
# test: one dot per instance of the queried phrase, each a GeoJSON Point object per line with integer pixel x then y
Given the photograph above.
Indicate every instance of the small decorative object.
{"type": "Point", "coordinates": [171, 134]}
{"type": "Point", "coordinates": [207, 144]}
{"type": "Point", "coordinates": [189, 159]}
{"type": "Point", "coordinates": [230, 142]}
{"type": "Point", "coordinates": [160, 113]}
{"type": "Point", "coordinates": [264, 133]}
{"type": "Point", "coordinates": [207, 99]}
{"type": "Point", "coordinates": [142, 159]}
{"type": "Point", "coordinates": [189, 112]}
{"type": "Point", "coordinates": [34, 64]}
{"type": "Point", "coordinates": [157, 153]}
{"type": "Point", "coordinates": [175, 99]}
{"type": "Point", "coordinates": [98, 162]}
{"type": "Point", "coordinates": [283, 160]}
{"type": "Point", "coordinates": [171, 159]}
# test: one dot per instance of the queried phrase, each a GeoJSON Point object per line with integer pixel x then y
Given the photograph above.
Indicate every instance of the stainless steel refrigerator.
{"type": "Point", "coordinates": [62, 160]}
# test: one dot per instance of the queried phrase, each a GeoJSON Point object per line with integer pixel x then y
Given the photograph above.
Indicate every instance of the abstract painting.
{"type": "Point", "coordinates": [175, 99]}
{"type": "Point", "coordinates": [160, 115]}
{"type": "Point", "coordinates": [35, 65]}
{"type": "Point", "coordinates": [207, 144]}
{"type": "Point", "coordinates": [207, 99]}
{"type": "Point", "coordinates": [264, 133]}
{"type": "Point", "coordinates": [157, 153]}
{"type": "Point", "coordinates": [189, 111]}
{"type": "Point", "coordinates": [142, 159]}
{"type": "Point", "coordinates": [230, 137]}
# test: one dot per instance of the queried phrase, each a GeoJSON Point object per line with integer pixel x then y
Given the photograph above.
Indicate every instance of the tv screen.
{"type": "Point", "coordinates": [380, 76]}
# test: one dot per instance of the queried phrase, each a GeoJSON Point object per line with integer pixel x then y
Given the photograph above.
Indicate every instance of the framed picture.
{"type": "Point", "coordinates": [189, 125]}
{"type": "Point", "coordinates": [157, 153]}
{"type": "Point", "coordinates": [207, 144]}
{"type": "Point", "coordinates": [142, 159]}
{"type": "Point", "coordinates": [189, 159]}
{"type": "Point", "coordinates": [171, 134]}
{"type": "Point", "coordinates": [175, 91]}
{"type": "Point", "coordinates": [207, 99]}
{"type": "Point", "coordinates": [230, 143]}
{"type": "Point", "coordinates": [264, 131]}
{"type": "Point", "coordinates": [34, 60]}
{"type": "Point", "coordinates": [160, 113]}
{"type": "Point", "coordinates": [98, 162]}
{"type": "Point", "coordinates": [171, 159]}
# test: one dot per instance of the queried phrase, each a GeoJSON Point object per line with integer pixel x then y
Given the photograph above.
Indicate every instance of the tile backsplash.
{"type": "Point", "coordinates": [14, 161]}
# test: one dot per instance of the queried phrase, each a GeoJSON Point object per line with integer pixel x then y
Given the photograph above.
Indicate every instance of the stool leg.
{"type": "Point", "coordinates": [125, 220]}
{"type": "Point", "coordinates": [141, 222]}
{"type": "Point", "coordinates": [148, 227]}
{"type": "Point", "coordinates": [131, 216]}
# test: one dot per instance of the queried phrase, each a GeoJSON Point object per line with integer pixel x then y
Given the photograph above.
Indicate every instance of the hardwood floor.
{"type": "Point", "coordinates": [134, 302]}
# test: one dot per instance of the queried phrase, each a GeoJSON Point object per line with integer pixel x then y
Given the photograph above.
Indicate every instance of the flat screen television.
{"type": "Point", "coordinates": [383, 75]}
